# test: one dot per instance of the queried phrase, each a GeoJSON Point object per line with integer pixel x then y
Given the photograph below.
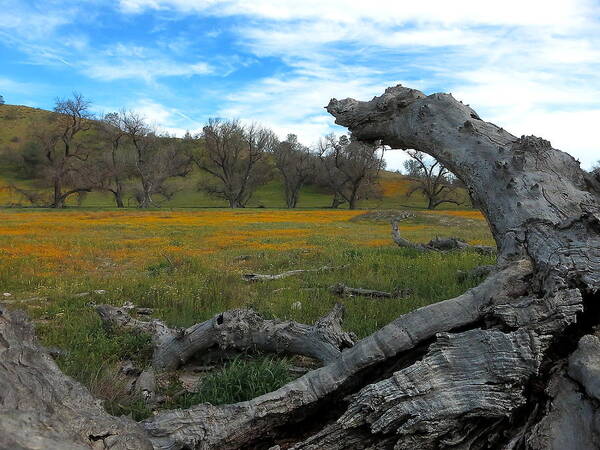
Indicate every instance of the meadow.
{"type": "Point", "coordinates": [188, 264]}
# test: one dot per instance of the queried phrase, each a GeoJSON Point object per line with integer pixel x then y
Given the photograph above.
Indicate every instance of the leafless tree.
{"type": "Point", "coordinates": [233, 155]}
{"type": "Point", "coordinates": [64, 149]}
{"type": "Point", "coordinates": [350, 168]}
{"type": "Point", "coordinates": [157, 159]}
{"type": "Point", "coordinates": [114, 163]}
{"type": "Point", "coordinates": [432, 179]}
{"type": "Point", "coordinates": [296, 164]}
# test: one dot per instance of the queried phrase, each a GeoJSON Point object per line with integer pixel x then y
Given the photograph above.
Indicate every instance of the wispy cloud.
{"type": "Point", "coordinates": [531, 66]}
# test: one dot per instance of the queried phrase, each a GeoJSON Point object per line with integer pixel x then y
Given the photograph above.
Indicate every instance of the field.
{"type": "Point", "coordinates": [186, 265]}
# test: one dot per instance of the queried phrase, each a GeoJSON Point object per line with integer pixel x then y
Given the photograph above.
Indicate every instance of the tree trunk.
{"type": "Point", "coordinates": [118, 193]}
{"type": "Point", "coordinates": [238, 329]}
{"type": "Point", "coordinates": [336, 201]}
{"type": "Point", "coordinates": [511, 364]}
{"type": "Point", "coordinates": [58, 199]}
{"type": "Point", "coordinates": [40, 407]}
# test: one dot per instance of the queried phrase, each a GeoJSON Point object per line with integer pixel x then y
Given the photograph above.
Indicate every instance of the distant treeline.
{"type": "Point", "coordinates": [73, 153]}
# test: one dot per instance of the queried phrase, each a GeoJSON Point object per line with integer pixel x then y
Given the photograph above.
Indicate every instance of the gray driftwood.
{"type": "Point", "coordinates": [42, 408]}
{"type": "Point", "coordinates": [238, 329]}
{"type": "Point", "coordinates": [441, 244]}
{"type": "Point", "coordinates": [509, 364]}
{"type": "Point", "coordinates": [289, 273]}
{"type": "Point", "coordinates": [342, 290]}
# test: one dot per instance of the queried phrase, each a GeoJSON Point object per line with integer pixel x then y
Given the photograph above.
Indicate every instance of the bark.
{"type": "Point", "coordinates": [238, 329]}
{"type": "Point", "coordinates": [510, 364]}
{"type": "Point", "coordinates": [40, 407]}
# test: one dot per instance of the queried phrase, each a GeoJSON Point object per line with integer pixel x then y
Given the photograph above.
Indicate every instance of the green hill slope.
{"type": "Point", "coordinates": [18, 122]}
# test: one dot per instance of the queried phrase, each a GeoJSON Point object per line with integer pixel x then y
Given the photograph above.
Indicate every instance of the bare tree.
{"type": "Point", "coordinates": [142, 138]}
{"type": "Point", "coordinates": [234, 155]}
{"type": "Point", "coordinates": [65, 152]}
{"type": "Point", "coordinates": [431, 178]}
{"type": "Point", "coordinates": [157, 159]}
{"type": "Point", "coordinates": [351, 168]}
{"type": "Point", "coordinates": [296, 164]}
{"type": "Point", "coordinates": [116, 168]}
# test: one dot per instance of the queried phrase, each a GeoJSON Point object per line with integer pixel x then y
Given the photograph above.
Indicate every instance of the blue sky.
{"type": "Point", "coordinates": [531, 66]}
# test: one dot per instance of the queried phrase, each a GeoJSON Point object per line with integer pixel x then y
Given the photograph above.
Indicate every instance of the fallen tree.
{"type": "Point", "coordinates": [238, 329]}
{"type": "Point", "coordinates": [342, 290]}
{"type": "Point", "coordinates": [289, 273]}
{"type": "Point", "coordinates": [440, 244]}
{"type": "Point", "coordinates": [510, 364]}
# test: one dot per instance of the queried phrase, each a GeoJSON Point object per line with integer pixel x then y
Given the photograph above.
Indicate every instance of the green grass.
{"type": "Point", "coordinates": [239, 380]}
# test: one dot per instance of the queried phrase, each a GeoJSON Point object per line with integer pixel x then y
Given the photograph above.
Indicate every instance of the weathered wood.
{"type": "Point", "coordinates": [238, 329]}
{"type": "Point", "coordinates": [40, 407]}
{"type": "Point", "coordinates": [475, 273]}
{"type": "Point", "coordinates": [232, 426]}
{"type": "Point", "coordinates": [342, 290]}
{"type": "Point", "coordinates": [441, 244]}
{"type": "Point", "coordinates": [289, 273]}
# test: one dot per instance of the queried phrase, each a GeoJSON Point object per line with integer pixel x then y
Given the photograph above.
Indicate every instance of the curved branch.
{"type": "Point", "coordinates": [238, 329]}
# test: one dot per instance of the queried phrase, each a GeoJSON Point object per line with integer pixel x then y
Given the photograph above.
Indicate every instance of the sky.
{"type": "Point", "coordinates": [531, 66]}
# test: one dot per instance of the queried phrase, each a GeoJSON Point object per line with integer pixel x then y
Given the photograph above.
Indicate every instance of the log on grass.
{"type": "Point", "coordinates": [240, 330]}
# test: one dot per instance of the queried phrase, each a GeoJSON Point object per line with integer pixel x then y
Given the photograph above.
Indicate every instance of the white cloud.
{"type": "Point", "coordinates": [127, 62]}
{"type": "Point", "coordinates": [510, 12]}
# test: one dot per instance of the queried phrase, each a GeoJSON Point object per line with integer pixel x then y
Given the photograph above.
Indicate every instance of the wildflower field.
{"type": "Point", "coordinates": [188, 264]}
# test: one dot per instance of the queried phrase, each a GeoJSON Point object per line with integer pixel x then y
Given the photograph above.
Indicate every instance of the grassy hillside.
{"type": "Point", "coordinates": [16, 123]}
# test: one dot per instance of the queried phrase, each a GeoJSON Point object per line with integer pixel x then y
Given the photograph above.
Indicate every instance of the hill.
{"type": "Point", "coordinates": [16, 123]}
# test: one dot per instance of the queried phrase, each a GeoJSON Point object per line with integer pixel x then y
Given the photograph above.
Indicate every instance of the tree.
{"type": "Point", "coordinates": [65, 151]}
{"type": "Point", "coordinates": [431, 178]}
{"type": "Point", "coordinates": [350, 168]}
{"type": "Point", "coordinates": [296, 164]}
{"type": "Point", "coordinates": [2, 102]}
{"type": "Point", "coordinates": [157, 159]}
{"type": "Point", "coordinates": [116, 168]}
{"type": "Point", "coordinates": [234, 155]}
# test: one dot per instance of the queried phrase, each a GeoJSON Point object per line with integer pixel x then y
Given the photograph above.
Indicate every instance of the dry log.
{"type": "Point", "coordinates": [40, 407]}
{"type": "Point", "coordinates": [342, 290]}
{"type": "Point", "coordinates": [238, 329]}
{"type": "Point", "coordinates": [289, 273]}
{"type": "Point", "coordinates": [443, 244]}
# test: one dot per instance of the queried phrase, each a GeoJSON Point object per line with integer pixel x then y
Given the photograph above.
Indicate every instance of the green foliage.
{"type": "Point", "coordinates": [241, 379]}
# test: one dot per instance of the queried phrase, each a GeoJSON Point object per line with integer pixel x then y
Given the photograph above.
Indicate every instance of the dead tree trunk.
{"type": "Point", "coordinates": [438, 244]}
{"type": "Point", "coordinates": [40, 407]}
{"type": "Point", "coordinates": [238, 329]}
{"type": "Point", "coordinates": [510, 364]}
